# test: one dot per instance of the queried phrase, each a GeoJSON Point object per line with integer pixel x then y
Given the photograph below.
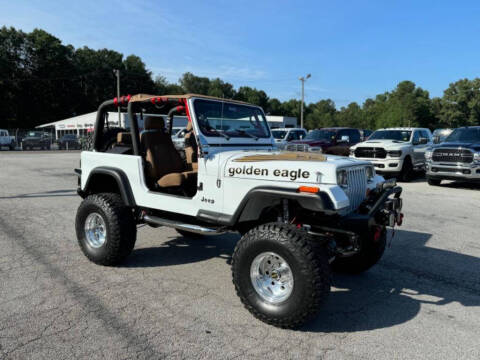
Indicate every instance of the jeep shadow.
{"type": "Point", "coordinates": [410, 274]}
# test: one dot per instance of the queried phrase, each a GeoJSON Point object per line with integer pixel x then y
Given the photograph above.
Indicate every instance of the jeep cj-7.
{"type": "Point", "coordinates": [299, 214]}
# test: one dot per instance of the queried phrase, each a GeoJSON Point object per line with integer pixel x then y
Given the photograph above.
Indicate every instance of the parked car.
{"type": "Point", "coordinates": [283, 136]}
{"type": "Point", "coordinates": [395, 151]}
{"type": "Point", "coordinates": [69, 142]}
{"type": "Point", "coordinates": [336, 141]}
{"type": "Point", "coordinates": [457, 158]}
{"type": "Point", "coordinates": [36, 139]}
{"type": "Point", "coordinates": [295, 225]}
{"type": "Point", "coordinates": [439, 135]}
{"type": "Point", "coordinates": [7, 140]}
{"type": "Point", "coordinates": [178, 138]}
{"type": "Point", "coordinates": [365, 134]}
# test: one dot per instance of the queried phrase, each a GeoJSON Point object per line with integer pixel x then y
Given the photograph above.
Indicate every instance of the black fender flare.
{"type": "Point", "coordinates": [315, 202]}
{"type": "Point", "coordinates": [121, 179]}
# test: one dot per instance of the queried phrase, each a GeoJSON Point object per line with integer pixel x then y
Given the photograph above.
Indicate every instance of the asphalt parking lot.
{"type": "Point", "coordinates": [174, 297]}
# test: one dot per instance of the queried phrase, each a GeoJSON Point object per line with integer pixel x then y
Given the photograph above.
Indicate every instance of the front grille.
{"type": "Point", "coordinates": [370, 152]}
{"type": "Point", "coordinates": [452, 155]}
{"type": "Point", "coordinates": [297, 147]}
{"type": "Point", "coordinates": [357, 186]}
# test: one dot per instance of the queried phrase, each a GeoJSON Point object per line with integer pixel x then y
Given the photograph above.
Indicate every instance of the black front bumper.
{"type": "Point", "coordinates": [383, 207]}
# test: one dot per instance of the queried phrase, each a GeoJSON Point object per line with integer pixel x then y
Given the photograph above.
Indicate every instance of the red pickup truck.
{"type": "Point", "coordinates": [336, 141]}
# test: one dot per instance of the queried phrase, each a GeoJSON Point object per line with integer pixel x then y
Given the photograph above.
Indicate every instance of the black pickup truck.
{"type": "Point", "coordinates": [36, 139]}
{"type": "Point", "coordinates": [457, 158]}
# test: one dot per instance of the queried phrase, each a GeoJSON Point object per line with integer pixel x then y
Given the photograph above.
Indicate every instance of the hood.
{"type": "Point", "coordinates": [285, 166]}
{"type": "Point", "coordinates": [474, 146]}
{"type": "Point", "coordinates": [386, 144]}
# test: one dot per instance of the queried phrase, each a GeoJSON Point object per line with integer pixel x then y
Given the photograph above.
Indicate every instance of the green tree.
{"type": "Point", "coordinates": [252, 95]}
{"type": "Point", "coordinates": [135, 77]}
{"type": "Point", "coordinates": [321, 114]}
{"type": "Point", "coordinates": [195, 84]}
{"type": "Point", "coordinates": [461, 103]}
{"type": "Point", "coordinates": [220, 89]}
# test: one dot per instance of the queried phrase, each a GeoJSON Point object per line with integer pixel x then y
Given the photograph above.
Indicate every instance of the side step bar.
{"type": "Point", "coordinates": [197, 229]}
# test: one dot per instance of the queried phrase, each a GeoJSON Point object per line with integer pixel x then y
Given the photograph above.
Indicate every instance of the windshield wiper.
{"type": "Point", "coordinates": [243, 132]}
{"type": "Point", "coordinates": [215, 131]}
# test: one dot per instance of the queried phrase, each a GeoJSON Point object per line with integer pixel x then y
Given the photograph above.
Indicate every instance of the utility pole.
{"type": "Point", "coordinates": [117, 73]}
{"type": "Point", "coordinates": [303, 79]}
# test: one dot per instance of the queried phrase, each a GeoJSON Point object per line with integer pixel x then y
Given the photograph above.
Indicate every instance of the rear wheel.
{"type": "Point", "coordinates": [278, 276]}
{"type": "Point", "coordinates": [371, 251]}
{"type": "Point", "coordinates": [106, 229]}
{"type": "Point", "coordinates": [434, 182]}
{"type": "Point", "coordinates": [407, 170]}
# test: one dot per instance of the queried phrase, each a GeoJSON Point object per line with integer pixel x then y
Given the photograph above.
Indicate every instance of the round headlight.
{"type": "Point", "coordinates": [370, 173]}
{"type": "Point", "coordinates": [476, 157]}
{"type": "Point", "coordinates": [342, 178]}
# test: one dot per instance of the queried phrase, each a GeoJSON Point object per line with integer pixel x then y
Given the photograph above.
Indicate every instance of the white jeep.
{"type": "Point", "coordinates": [299, 214]}
{"type": "Point", "coordinates": [395, 151]}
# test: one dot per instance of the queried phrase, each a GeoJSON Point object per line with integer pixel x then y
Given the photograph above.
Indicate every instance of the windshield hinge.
{"type": "Point", "coordinates": [219, 183]}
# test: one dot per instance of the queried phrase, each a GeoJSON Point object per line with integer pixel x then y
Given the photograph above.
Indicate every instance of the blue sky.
{"type": "Point", "coordinates": [353, 49]}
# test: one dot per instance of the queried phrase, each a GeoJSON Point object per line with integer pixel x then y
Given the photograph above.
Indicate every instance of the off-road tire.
{"type": "Point", "coordinates": [189, 234]}
{"type": "Point", "coordinates": [371, 252]}
{"type": "Point", "coordinates": [434, 182]}
{"type": "Point", "coordinates": [310, 269]}
{"type": "Point", "coordinates": [406, 174]}
{"type": "Point", "coordinates": [121, 229]}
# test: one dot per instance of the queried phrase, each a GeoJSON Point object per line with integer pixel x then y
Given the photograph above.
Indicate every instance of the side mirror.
{"type": "Point", "coordinates": [436, 140]}
{"type": "Point", "coordinates": [423, 141]}
{"type": "Point", "coordinates": [344, 139]}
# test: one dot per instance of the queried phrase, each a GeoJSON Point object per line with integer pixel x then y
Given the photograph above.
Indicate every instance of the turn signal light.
{"type": "Point", "coordinates": [309, 189]}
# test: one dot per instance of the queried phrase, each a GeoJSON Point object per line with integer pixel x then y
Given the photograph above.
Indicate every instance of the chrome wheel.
{"type": "Point", "coordinates": [271, 277]}
{"type": "Point", "coordinates": [95, 230]}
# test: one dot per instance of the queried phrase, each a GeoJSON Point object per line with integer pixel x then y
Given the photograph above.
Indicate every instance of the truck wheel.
{"type": "Point", "coordinates": [434, 182]}
{"type": "Point", "coordinates": [278, 276]}
{"type": "Point", "coordinates": [106, 229]}
{"type": "Point", "coordinates": [370, 253]}
{"type": "Point", "coordinates": [407, 170]}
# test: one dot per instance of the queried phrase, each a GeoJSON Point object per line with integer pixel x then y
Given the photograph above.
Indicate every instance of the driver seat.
{"type": "Point", "coordinates": [165, 167]}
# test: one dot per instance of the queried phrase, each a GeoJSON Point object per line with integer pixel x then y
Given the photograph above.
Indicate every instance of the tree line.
{"type": "Point", "coordinates": [42, 80]}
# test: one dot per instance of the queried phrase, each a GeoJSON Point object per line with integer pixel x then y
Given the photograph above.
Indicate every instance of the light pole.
{"type": "Point", "coordinates": [117, 73]}
{"type": "Point", "coordinates": [303, 79]}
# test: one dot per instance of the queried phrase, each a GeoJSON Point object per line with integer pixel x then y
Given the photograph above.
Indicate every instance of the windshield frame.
{"type": "Point", "coordinates": [257, 112]}
{"type": "Point", "coordinates": [450, 138]}
{"type": "Point", "coordinates": [392, 130]}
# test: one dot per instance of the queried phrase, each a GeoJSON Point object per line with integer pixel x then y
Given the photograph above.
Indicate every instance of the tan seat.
{"type": "Point", "coordinates": [164, 164]}
{"type": "Point", "coordinates": [124, 139]}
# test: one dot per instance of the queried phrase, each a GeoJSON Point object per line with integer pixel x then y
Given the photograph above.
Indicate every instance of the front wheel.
{"type": "Point", "coordinates": [106, 229]}
{"type": "Point", "coordinates": [406, 174]}
{"type": "Point", "coordinates": [278, 275]}
{"type": "Point", "coordinates": [371, 251]}
{"type": "Point", "coordinates": [434, 182]}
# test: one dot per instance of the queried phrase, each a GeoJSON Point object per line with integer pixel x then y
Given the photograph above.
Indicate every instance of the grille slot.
{"type": "Point", "coordinates": [452, 155]}
{"type": "Point", "coordinates": [357, 186]}
{"type": "Point", "coordinates": [370, 152]}
{"type": "Point", "coordinates": [297, 147]}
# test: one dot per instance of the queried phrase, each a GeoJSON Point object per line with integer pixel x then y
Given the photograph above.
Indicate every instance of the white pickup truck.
{"type": "Point", "coordinates": [395, 151]}
{"type": "Point", "coordinates": [7, 140]}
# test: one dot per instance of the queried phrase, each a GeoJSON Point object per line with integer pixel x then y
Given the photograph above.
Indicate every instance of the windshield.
{"type": "Point", "coordinates": [320, 135]}
{"type": "Point", "coordinates": [399, 135]}
{"type": "Point", "coordinates": [464, 135]}
{"type": "Point", "coordinates": [217, 118]}
{"type": "Point", "coordinates": [279, 134]}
